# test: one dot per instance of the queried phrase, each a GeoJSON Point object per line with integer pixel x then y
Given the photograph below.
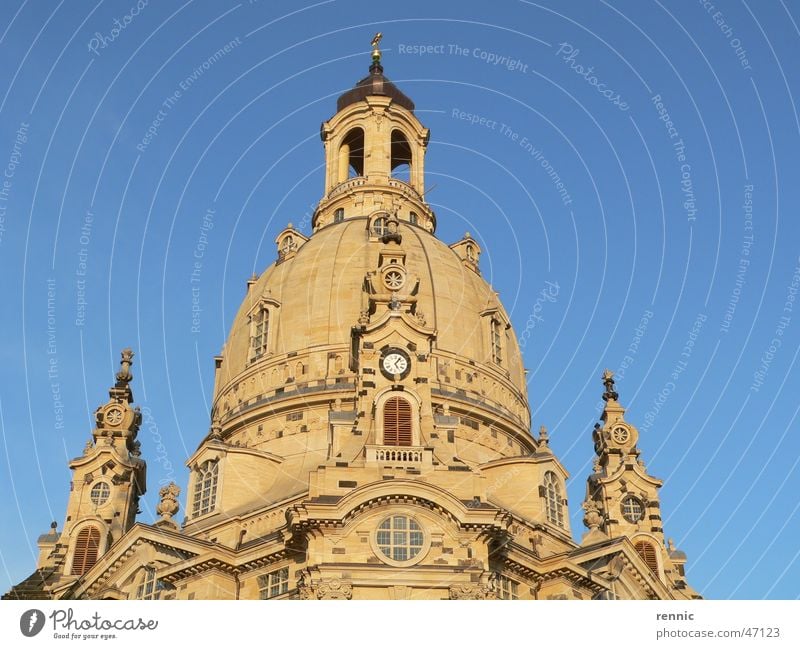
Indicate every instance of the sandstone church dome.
{"type": "Point", "coordinates": [370, 432]}
{"type": "Point", "coordinates": [319, 290]}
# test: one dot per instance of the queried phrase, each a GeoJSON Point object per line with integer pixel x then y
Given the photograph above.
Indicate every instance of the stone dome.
{"type": "Point", "coordinates": [374, 84]}
{"type": "Point", "coordinates": [318, 291]}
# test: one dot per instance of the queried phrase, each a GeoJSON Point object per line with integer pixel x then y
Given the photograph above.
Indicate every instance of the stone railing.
{"type": "Point", "coordinates": [351, 183]}
{"type": "Point", "coordinates": [408, 456]}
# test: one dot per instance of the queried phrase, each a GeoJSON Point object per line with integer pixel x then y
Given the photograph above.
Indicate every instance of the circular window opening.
{"type": "Point", "coordinates": [394, 279]}
{"type": "Point", "coordinates": [632, 509]}
{"type": "Point", "coordinates": [100, 493]}
{"type": "Point", "coordinates": [400, 539]}
{"type": "Point", "coordinates": [620, 434]}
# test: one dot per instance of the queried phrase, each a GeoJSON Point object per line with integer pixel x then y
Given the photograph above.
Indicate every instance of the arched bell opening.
{"type": "Point", "coordinates": [401, 157]}
{"type": "Point", "coordinates": [351, 155]}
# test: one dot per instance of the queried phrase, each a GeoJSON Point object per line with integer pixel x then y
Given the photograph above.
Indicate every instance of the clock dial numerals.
{"type": "Point", "coordinates": [394, 363]}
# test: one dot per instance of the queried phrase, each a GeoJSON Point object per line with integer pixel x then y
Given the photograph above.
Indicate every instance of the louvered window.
{"type": "Point", "coordinates": [87, 547]}
{"type": "Point", "coordinates": [397, 422]}
{"type": "Point", "coordinates": [648, 553]}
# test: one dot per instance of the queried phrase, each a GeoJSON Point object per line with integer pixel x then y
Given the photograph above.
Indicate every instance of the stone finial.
{"type": "Point", "coordinates": [592, 519]}
{"type": "Point", "coordinates": [544, 438]}
{"type": "Point", "coordinates": [124, 376]}
{"type": "Point", "coordinates": [168, 506]}
{"type": "Point", "coordinates": [608, 382]}
{"type": "Point", "coordinates": [88, 447]}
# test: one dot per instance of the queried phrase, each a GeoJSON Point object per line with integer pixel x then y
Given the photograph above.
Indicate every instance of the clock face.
{"type": "Point", "coordinates": [395, 362]}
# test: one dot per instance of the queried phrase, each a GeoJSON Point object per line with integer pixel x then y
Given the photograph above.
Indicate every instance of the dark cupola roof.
{"type": "Point", "coordinates": [375, 84]}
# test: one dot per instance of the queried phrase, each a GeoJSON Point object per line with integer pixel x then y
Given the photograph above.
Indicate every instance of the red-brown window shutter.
{"type": "Point", "coordinates": [397, 422]}
{"type": "Point", "coordinates": [87, 546]}
{"type": "Point", "coordinates": [648, 553]}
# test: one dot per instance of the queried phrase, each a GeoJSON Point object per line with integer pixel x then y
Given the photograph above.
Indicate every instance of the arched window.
{"type": "Point", "coordinates": [397, 425]}
{"type": "Point", "coordinates": [259, 336]}
{"type": "Point", "coordinates": [553, 501]}
{"type": "Point", "coordinates": [380, 226]}
{"type": "Point", "coordinates": [87, 548]}
{"type": "Point", "coordinates": [351, 155]}
{"type": "Point", "coordinates": [413, 218]}
{"type": "Point", "coordinates": [338, 215]}
{"type": "Point", "coordinates": [497, 341]}
{"type": "Point", "coordinates": [648, 553]}
{"type": "Point", "coordinates": [205, 489]}
{"type": "Point", "coordinates": [148, 585]}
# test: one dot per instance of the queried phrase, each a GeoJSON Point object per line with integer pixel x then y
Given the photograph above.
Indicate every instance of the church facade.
{"type": "Point", "coordinates": [370, 433]}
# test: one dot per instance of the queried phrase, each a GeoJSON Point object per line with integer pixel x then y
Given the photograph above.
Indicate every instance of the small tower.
{"type": "Point", "coordinates": [622, 498]}
{"type": "Point", "coordinates": [107, 481]}
{"type": "Point", "coordinates": [374, 156]}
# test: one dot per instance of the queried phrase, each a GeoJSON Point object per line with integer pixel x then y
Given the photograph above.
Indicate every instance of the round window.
{"type": "Point", "coordinates": [394, 279]}
{"type": "Point", "coordinates": [100, 493]}
{"type": "Point", "coordinates": [632, 509]}
{"type": "Point", "coordinates": [620, 434]}
{"type": "Point", "coordinates": [400, 539]}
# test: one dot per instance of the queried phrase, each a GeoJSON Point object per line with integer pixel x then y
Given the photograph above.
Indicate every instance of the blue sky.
{"type": "Point", "coordinates": [670, 250]}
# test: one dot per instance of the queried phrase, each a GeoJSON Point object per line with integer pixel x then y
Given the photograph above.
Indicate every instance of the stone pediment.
{"type": "Point", "coordinates": [405, 324]}
{"type": "Point", "coordinates": [630, 467]}
{"type": "Point", "coordinates": [339, 512]}
{"type": "Point", "coordinates": [634, 576]}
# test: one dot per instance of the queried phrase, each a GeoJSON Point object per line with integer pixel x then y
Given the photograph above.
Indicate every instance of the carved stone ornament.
{"type": "Point", "coordinates": [124, 376]}
{"type": "Point", "coordinates": [472, 591]}
{"type": "Point", "coordinates": [304, 589]}
{"type": "Point", "coordinates": [168, 506]}
{"type": "Point", "coordinates": [392, 232]}
{"type": "Point", "coordinates": [592, 517]}
{"type": "Point", "coordinates": [608, 382]}
{"type": "Point", "coordinates": [324, 589]}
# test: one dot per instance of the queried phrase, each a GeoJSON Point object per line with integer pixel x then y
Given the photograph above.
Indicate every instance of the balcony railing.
{"type": "Point", "coordinates": [407, 456]}
{"type": "Point", "coordinates": [350, 183]}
